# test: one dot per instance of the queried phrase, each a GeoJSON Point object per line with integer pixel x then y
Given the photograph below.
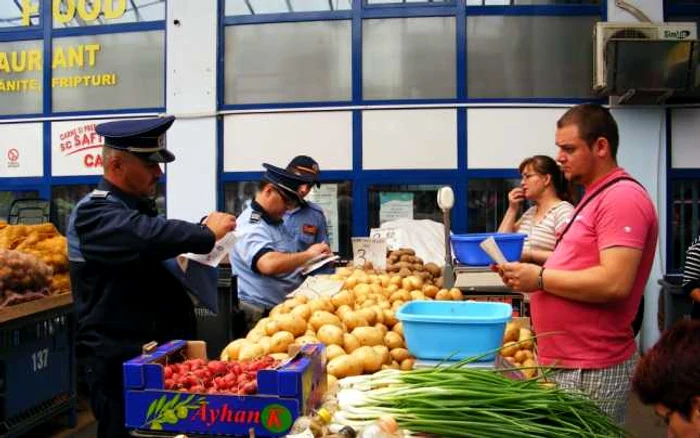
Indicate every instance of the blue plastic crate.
{"type": "Point", "coordinates": [37, 367]}
{"type": "Point", "coordinates": [448, 329]}
{"type": "Point", "coordinates": [468, 252]}
{"type": "Point", "coordinates": [293, 389]}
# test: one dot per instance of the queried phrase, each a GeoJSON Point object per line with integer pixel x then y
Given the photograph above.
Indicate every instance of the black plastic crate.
{"type": "Point", "coordinates": [37, 369]}
{"type": "Point", "coordinates": [217, 329]}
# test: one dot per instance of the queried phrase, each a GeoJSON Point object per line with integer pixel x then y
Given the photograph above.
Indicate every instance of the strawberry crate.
{"type": "Point", "coordinates": [294, 388]}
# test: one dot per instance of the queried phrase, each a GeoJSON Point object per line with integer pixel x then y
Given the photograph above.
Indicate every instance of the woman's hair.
{"type": "Point", "coordinates": [545, 165]}
{"type": "Point", "coordinates": [669, 373]}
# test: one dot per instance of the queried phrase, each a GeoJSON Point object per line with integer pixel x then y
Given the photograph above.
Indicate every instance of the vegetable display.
{"type": "Point", "coordinates": [23, 277]}
{"type": "Point", "coordinates": [470, 402]}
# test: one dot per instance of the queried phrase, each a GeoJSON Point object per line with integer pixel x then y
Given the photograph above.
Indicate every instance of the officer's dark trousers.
{"type": "Point", "coordinates": [106, 397]}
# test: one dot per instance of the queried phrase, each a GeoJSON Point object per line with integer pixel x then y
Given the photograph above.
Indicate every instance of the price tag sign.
{"type": "Point", "coordinates": [371, 250]}
{"type": "Point", "coordinates": [393, 237]}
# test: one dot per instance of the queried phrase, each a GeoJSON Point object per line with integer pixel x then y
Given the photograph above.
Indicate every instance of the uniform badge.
{"type": "Point", "coordinates": [309, 229]}
{"type": "Point", "coordinates": [99, 194]}
{"type": "Point", "coordinates": [255, 217]}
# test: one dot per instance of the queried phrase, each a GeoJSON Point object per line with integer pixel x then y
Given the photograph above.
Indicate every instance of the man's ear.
{"type": "Point", "coordinates": [601, 147]}
{"type": "Point", "coordinates": [695, 410]}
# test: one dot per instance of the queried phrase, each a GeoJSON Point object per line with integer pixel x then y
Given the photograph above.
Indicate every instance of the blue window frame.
{"type": "Point", "coordinates": [139, 16]}
{"type": "Point", "coordinates": [465, 182]}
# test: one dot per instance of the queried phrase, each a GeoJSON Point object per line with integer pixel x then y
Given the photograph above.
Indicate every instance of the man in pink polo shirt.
{"type": "Point", "coordinates": [587, 293]}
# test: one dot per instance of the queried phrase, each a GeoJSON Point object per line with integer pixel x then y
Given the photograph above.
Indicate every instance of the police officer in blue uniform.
{"type": "Point", "coordinates": [266, 258]}
{"type": "Point", "coordinates": [306, 222]}
{"type": "Point", "coordinates": [124, 296]}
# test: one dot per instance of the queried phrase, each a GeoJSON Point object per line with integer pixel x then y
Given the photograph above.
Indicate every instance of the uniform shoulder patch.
{"type": "Point", "coordinates": [255, 217]}
{"type": "Point", "coordinates": [99, 194]}
{"type": "Point", "coordinates": [309, 229]}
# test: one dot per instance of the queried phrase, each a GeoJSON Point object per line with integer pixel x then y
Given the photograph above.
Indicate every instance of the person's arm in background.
{"type": "Point", "coordinates": [509, 223]}
{"type": "Point", "coordinates": [275, 263]}
{"type": "Point", "coordinates": [561, 215]}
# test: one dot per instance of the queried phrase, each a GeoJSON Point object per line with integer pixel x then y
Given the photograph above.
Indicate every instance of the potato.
{"type": "Point", "coordinates": [301, 340]}
{"type": "Point", "coordinates": [232, 349]}
{"type": "Point", "coordinates": [302, 311]}
{"type": "Point", "coordinates": [407, 364]}
{"type": "Point", "coordinates": [368, 336]}
{"type": "Point", "coordinates": [344, 366]}
{"type": "Point", "coordinates": [279, 356]}
{"type": "Point", "coordinates": [350, 283]}
{"type": "Point", "coordinates": [370, 359]}
{"type": "Point", "coordinates": [384, 280]}
{"type": "Point", "coordinates": [343, 271]}
{"type": "Point", "coordinates": [417, 295]}
{"type": "Point", "coordinates": [266, 344]}
{"type": "Point", "coordinates": [391, 289]}
{"type": "Point", "coordinates": [393, 340]}
{"type": "Point", "coordinates": [281, 341]}
{"type": "Point", "coordinates": [379, 314]}
{"type": "Point", "coordinates": [320, 318]}
{"type": "Point", "coordinates": [368, 315]}
{"type": "Point", "coordinates": [330, 334]}
{"type": "Point", "coordinates": [390, 318]}
{"type": "Point", "coordinates": [520, 355]}
{"type": "Point", "coordinates": [430, 291]}
{"type": "Point", "coordinates": [315, 305]}
{"type": "Point", "coordinates": [398, 328]}
{"type": "Point", "coordinates": [512, 333]}
{"type": "Point", "coordinates": [272, 327]}
{"type": "Point", "coordinates": [333, 351]}
{"type": "Point", "coordinates": [342, 310]}
{"type": "Point", "coordinates": [396, 305]}
{"type": "Point", "coordinates": [443, 295]}
{"type": "Point", "coordinates": [250, 352]}
{"type": "Point", "coordinates": [261, 324]}
{"type": "Point", "coordinates": [525, 339]}
{"type": "Point", "coordinates": [343, 297]}
{"type": "Point", "coordinates": [395, 280]}
{"type": "Point", "coordinates": [291, 303]}
{"type": "Point", "coordinates": [399, 354]}
{"type": "Point", "coordinates": [416, 282]}
{"type": "Point", "coordinates": [290, 323]}
{"type": "Point", "coordinates": [362, 289]}
{"type": "Point", "coordinates": [254, 336]}
{"type": "Point", "coordinates": [438, 282]}
{"type": "Point", "coordinates": [400, 294]}
{"type": "Point", "coordinates": [353, 320]}
{"type": "Point", "coordinates": [383, 351]}
{"type": "Point", "coordinates": [384, 329]}
{"type": "Point", "coordinates": [395, 365]}
{"type": "Point", "coordinates": [509, 349]}
{"type": "Point", "coordinates": [405, 272]}
{"type": "Point", "coordinates": [332, 381]}
{"type": "Point", "coordinates": [433, 269]}
{"type": "Point", "coordinates": [350, 343]}
{"type": "Point", "coordinates": [529, 368]}
{"type": "Point", "coordinates": [456, 294]}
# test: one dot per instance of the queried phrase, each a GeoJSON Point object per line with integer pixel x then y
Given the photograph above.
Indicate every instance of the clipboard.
{"type": "Point", "coordinates": [317, 262]}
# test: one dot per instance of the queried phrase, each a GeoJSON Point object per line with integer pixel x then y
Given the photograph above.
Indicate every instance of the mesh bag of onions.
{"type": "Point", "coordinates": [23, 277]}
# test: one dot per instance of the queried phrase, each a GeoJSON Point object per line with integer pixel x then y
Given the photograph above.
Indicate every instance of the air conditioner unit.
{"type": "Point", "coordinates": [628, 55]}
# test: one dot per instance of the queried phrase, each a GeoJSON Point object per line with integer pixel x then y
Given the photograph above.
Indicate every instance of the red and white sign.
{"type": "Point", "coordinates": [76, 149]}
{"type": "Point", "coordinates": [21, 151]}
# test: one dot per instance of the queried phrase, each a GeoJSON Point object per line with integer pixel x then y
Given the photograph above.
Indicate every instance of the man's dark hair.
{"type": "Point", "coordinates": [593, 122]}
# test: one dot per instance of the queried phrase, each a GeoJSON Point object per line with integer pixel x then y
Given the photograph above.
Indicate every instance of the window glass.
{"type": "Point", "coordinates": [391, 202]}
{"type": "Point", "coordinates": [529, 56]}
{"type": "Point", "coordinates": [12, 14]}
{"type": "Point", "coordinates": [685, 219]}
{"type": "Point", "coordinates": [257, 7]}
{"type": "Point", "coordinates": [8, 196]}
{"type": "Point", "coordinates": [409, 58]}
{"type": "Point", "coordinates": [488, 202]}
{"type": "Point", "coordinates": [21, 77]}
{"type": "Point", "coordinates": [288, 62]}
{"type": "Point", "coordinates": [64, 199]}
{"type": "Point", "coordinates": [74, 13]}
{"type": "Point", "coordinates": [109, 71]}
{"type": "Point", "coordinates": [530, 2]}
{"type": "Point", "coordinates": [334, 197]}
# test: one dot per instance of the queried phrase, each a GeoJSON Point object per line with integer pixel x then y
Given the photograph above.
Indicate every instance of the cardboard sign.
{"type": "Point", "coordinates": [365, 249]}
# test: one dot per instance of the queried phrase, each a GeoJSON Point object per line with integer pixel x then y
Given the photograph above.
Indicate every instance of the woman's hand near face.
{"type": "Point", "coordinates": [515, 198]}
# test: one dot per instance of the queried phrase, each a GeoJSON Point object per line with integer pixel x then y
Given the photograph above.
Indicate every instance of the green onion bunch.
{"type": "Point", "coordinates": [459, 401]}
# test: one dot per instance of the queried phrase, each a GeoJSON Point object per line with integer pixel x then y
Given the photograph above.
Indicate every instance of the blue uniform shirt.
{"type": "Point", "coordinates": [261, 234]}
{"type": "Point", "coordinates": [307, 224]}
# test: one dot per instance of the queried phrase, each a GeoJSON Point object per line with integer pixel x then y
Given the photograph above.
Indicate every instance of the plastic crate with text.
{"type": "Point", "coordinates": [37, 364]}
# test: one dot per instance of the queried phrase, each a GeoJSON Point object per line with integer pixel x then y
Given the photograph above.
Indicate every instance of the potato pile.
{"type": "Point", "coordinates": [44, 242]}
{"type": "Point", "coordinates": [358, 324]}
{"type": "Point", "coordinates": [23, 277]}
{"type": "Point", "coordinates": [519, 348]}
{"type": "Point", "coordinates": [404, 262]}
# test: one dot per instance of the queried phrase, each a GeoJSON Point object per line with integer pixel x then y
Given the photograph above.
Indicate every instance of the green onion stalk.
{"type": "Point", "coordinates": [458, 401]}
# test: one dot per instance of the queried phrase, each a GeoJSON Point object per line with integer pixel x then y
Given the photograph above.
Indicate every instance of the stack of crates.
{"type": "Point", "coordinates": [37, 365]}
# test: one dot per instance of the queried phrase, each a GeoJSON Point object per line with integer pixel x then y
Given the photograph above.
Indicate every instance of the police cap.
{"type": "Point", "coordinates": [285, 181]}
{"type": "Point", "coordinates": [142, 137]}
{"type": "Point", "coordinates": [305, 165]}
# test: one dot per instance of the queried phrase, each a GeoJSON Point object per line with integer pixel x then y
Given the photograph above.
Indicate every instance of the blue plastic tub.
{"type": "Point", "coordinates": [453, 329]}
{"type": "Point", "coordinates": [468, 252]}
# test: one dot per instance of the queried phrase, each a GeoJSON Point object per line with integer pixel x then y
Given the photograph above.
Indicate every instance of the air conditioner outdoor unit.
{"type": "Point", "coordinates": [644, 56]}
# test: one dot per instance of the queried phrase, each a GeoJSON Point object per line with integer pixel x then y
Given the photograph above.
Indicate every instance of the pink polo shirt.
{"type": "Point", "coordinates": [597, 335]}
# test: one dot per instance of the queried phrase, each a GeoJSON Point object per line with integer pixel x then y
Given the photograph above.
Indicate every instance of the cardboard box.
{"type": "Point", "coordinates": [285, 393]}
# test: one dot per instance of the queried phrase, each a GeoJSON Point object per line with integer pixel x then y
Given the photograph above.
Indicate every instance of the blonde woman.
{"type": "Point", "coordinates": [544, 185]}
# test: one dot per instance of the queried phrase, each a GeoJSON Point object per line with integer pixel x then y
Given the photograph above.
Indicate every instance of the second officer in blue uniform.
{"type": "Point", "coordinates": [306, 221]}
{"type": "Point", "coordinates": [266, 258]}
{"type": "Point", "coordinates": [123, 293]}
